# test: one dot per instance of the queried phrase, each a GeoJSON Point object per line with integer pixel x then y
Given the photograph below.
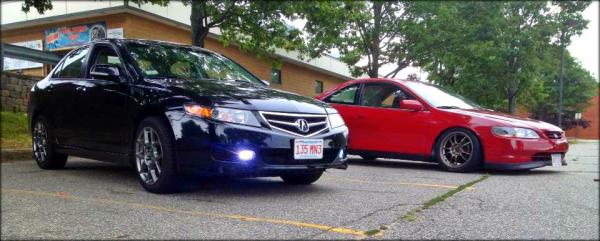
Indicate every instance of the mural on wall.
{"type": "Point", "coordinates": [69, 37]}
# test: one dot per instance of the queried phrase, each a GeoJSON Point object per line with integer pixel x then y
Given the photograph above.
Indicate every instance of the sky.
{"type": "Point", "coordinates": [585, 46]}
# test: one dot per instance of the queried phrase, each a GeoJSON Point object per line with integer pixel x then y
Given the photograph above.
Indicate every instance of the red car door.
{"type": "Point", "coordinates": [384, 126]}
{"type": "Point", "coordinates": [345, 102]}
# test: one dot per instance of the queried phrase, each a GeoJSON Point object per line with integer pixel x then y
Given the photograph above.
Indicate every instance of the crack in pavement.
{"type": "Point", "coordinates": [442, 198]}
{"type": "Point", "coordinates": [345, 224]}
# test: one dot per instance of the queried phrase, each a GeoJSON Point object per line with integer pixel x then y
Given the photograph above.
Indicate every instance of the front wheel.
{"type": "Point", "coordinates": [43, 146]}
{"type": "Point", "coordinates": [154, 157]}
{"type": "Point", "coordinates": [302, 178]}
{"type": "Point", "coordinates": [459, 150]}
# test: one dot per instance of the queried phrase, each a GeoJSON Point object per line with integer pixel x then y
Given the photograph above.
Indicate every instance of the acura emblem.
{"type": "Point", "coordinates": [302, 125]}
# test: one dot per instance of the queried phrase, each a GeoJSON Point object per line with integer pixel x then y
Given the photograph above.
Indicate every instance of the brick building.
{"type": "Point", "coordinates": [121, 19]}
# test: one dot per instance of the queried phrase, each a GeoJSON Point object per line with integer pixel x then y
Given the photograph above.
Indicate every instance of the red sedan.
{"type": "Point", "coordinates": [418, 121]}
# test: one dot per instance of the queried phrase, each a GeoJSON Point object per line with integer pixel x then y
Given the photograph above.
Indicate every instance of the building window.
{"type": "Point", "coordinates": [275, 76]}
{"type": "Point", "coordinates": [318, 86]}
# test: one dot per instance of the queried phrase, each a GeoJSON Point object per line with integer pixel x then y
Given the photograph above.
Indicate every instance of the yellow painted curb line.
{"type": "Point", "coordinates": [63, 195]}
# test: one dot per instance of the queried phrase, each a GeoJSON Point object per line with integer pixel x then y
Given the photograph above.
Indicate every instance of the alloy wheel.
{"type": "Point", "coordinates": [40, 142]}
{"type": "Point", "coordinates": [456, 149]}
{"type": "Point", "coordinates": [148, 155]}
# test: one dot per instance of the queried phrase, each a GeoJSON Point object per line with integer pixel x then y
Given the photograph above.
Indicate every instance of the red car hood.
{"type": "Point", "coordinates": [507, 120]}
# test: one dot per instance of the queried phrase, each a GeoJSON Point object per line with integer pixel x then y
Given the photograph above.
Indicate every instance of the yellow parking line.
{"type": "Point", "coordinates": [63, 195]}
{"type": "Point", "coordinates": [396, 183]}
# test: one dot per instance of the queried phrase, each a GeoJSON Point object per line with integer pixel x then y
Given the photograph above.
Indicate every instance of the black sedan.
{"type": "Point", "coordinates": [172, 110]}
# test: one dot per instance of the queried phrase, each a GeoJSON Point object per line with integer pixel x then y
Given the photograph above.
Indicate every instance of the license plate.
{"type": "Point", "coordinates": [556, 160]}
{"type": "Point", "coordinates": [308, 149]}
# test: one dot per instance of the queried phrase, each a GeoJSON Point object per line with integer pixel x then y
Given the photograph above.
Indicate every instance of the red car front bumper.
{"type": "Point", "coordinates": [513, 153]}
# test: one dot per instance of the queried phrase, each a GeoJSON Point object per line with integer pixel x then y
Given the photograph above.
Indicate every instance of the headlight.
{"type": "Point", "coordinates": [515, 132]}
{"type": "Point", "coordinates": [335, 120]}
{"type": "Point", "coordinates": [236, 116]}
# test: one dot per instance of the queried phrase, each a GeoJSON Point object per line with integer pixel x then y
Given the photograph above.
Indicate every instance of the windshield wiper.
{"type": "Point", "coordinates": [448, 107]}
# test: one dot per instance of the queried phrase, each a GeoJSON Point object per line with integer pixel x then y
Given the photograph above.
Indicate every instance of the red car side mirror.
{"type": "Point", "coordinates": [413, 105]}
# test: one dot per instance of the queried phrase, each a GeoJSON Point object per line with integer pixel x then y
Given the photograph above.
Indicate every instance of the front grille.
{"type": "Point", "coordinates": [544, 156]}
{"type": "Point", "coordinates": [553, 134]}
{"type": "Point", "coordinates": [304, 125]}
{"type": "Point", "coordinates": [286, 157]}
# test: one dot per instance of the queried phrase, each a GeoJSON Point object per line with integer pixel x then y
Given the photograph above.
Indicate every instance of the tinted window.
{"type": "Point", "coordinates": [439, 97]}
{"type": "Point", "coordinates": [106, 55]}
{"type": "Point", "coordinates": [382, 95]}
{"type": "Point", "coordinates": [71, 67]}
{"type": "Point", "coordinates": [167, 61]}
{"type": "Point", "coordinates": [345, 96]}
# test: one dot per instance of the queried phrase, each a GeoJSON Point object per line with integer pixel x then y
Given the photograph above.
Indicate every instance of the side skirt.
{"type": "Point", "coordinates": [394, 155]}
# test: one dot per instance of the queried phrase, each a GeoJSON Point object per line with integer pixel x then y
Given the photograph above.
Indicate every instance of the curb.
{"type": "Point", "coordinates": [16, 155]}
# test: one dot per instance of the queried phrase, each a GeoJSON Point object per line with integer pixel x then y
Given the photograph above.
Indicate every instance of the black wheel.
{"type": "Point", "coordinates": [154, 157]}
{"type": "Point", "coordinates": [43, 146]}
{"type": "Point", "coordinates": [459, 150]}
{"type": "Point", "coordinates": [368, 157]}
{"type": "Point", "coordinates": [303, 178]}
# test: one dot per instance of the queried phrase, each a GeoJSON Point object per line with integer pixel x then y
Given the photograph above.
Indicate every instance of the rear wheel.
{"type": "Point", "coordinates": [459, 150]}
{"type": "Point", "coordinates": [304, 178]}
{"type": "Point", "coordinates": [43, 146]}
{"type": "Point", "coordinates": [154, 157]}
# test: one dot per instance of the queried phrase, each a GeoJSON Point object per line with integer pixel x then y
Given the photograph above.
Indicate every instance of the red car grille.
{"type": "Point", "coordinates": [553, 134]}
{"type": "Point", "coordinates": [544, 156]}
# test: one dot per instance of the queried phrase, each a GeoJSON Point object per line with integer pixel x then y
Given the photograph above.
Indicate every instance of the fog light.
{"type": "Point", "coordinates": [341, 154]}
{"type": "Point", "coordinates": [246, 155]}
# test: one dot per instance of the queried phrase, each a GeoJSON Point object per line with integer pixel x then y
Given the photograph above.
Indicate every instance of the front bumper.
{"type": "Point", "coordinates": [514, 153]}
{"type": "Point", "coordinates": [209, 148]}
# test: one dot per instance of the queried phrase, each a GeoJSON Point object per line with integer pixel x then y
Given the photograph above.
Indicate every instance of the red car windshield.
{"type": "Point", "coordinates": [439, 97]}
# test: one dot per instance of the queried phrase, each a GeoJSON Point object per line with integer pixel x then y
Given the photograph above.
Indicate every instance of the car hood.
{"type": "Point", "coordinates": [249, 96]}
{"type": "Point", "coordinates": [506, 119]}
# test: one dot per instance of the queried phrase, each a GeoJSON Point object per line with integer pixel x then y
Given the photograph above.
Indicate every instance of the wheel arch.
{"type": "Point", "coordinates": [141, 114]}
{"type": "Point", "coordinates": [471, 130]}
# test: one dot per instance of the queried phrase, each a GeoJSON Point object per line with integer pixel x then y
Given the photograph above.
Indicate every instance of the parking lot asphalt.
{"type": "Point", "coordinates": [370, 200]}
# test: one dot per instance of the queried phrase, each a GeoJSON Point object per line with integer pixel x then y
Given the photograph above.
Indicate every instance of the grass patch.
{"type": "Point", "coordinates": [14, 130]}
{"type": "Point", "coordinates": [412, 215]}
{"type": "Point", "coordinates": [372, 232]}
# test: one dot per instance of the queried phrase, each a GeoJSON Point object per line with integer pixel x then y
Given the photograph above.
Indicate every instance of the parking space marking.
{"type": "Point", "coordinates": [427, 185]}
{"type": "Point", "coordinates": [63, 195]}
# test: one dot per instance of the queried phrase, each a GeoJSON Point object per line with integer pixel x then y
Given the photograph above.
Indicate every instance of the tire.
{"type": "Point", "coordinates": [368, 157]}
{"type": "Point", "coordinates": [459, 150]}
{"type": "Point", "coordinates": [43, 146]}
{"type": "Point", "coordinates": [304, 178]}
{"type": "Point", "coordinates": [154, 157]}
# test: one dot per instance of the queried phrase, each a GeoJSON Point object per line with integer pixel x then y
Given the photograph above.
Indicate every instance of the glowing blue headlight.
{"type": "Point", "coordinates": [246, 155]}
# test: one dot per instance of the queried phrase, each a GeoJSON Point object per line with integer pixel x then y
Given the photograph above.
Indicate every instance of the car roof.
{"type": "Point", "coordinates": [152, 42]}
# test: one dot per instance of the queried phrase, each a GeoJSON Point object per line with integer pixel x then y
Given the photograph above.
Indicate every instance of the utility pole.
{"type": "Point", "coordinates": [564, 37]}
{"type": "Point", "coordinates": [560, 79]}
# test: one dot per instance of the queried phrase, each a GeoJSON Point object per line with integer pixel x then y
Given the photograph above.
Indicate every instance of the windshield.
{"type": "Point", "coordinates": [440, 98]}
{"type": "Point", "coordinates": [167, 61]}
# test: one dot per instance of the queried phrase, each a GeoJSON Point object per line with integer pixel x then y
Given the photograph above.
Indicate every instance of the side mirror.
{"type": "Point", "coordinates": [267, 83]}
{"type": "Point", "coordinates": [413, 105]}
{"type": "Point", "coordinates": [106, 72]}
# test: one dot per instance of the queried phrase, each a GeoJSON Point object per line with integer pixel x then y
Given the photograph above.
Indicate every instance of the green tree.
{"type": "Point", "coordinates": [257, 26]}
{"type": "Point", "coordinates": [362, 30]}
{"type": "Point", "coordinates": [580, 87]}
{"type": "Point", "coordinates": [492, 52]}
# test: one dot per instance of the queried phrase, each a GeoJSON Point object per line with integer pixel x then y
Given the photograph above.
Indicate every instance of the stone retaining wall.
{"type": "Point", "coordinates": [14, 90]}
